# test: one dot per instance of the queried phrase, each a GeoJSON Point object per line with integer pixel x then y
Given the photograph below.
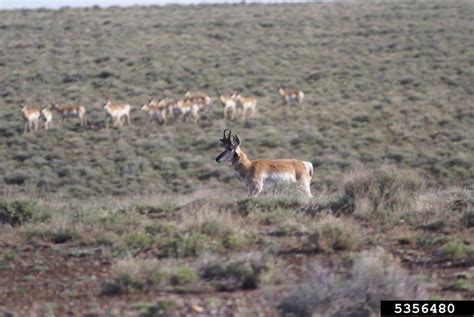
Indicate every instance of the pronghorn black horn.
{"type": "Point", "coordinates": [236, 140]}
{"type": "Point", "coordinates": [226, 138]}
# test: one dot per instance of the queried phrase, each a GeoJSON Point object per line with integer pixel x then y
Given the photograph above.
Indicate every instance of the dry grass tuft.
{"type": "Point", "coordinates": [375, 275]}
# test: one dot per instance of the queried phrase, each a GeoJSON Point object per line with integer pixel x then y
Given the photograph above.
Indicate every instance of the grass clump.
{"type": "Point", "coordinates": [334, 234]}
{"type": "Point", "coordinates": [164, 307]}
{"type": "Point", "coordinates": [379, 192]}
{"type": "Point", "coordinates": [131, 275]}
{"type": "Point", "coordinates": [231, 275]}
{"type": "Point", "coordinates": [161, 210]}
{"type": "Point", "coordinates": [456, 251]}
{"type": "Point", "coordinates": [17, 212]}
{"type": "Point", "coordinates": [183, 275]}
{"type": "Point", "coordinates": [374, 275]}
{"type": "Point", "coordinates": [57, 235]}
{"type": "Point", "coordinates": [138, 241]}
{"type": "Point", "coordinates": [184, 245]}
{"type": "Point", "coordinates": [264, 204]}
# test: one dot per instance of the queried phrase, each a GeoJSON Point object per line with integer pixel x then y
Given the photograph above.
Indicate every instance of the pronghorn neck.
{"type": "Point", "coordinates": [241, 163]}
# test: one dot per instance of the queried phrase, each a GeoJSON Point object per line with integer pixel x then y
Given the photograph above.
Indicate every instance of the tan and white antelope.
{"type": "Point", "coordinates": [71, 111]}
{"type": "Point", "coordinates": [31, 115]}
{"type": "Point", "coordinates": [188, 110]}
{"type": "Point", "coordinates": [245, 105]}
{"type": "Point", "coordinates": [230, 105]}
{"type": "Point", "coordinates": [47, 116]}
{"type": "Point", "coordinates": [116, 112]}
{"type": "Point", "coordinates": [160, 111]}
{"type": "Point", "coordinates": [256, 173]}
{"type": "Point", "coordinates": [291, 96]}
{"type": "Point", "coordinates": [198, 97]}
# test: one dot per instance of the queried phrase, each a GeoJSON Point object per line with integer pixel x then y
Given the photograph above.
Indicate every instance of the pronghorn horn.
{"type": "Point", "coordinates": [226, 139]}
{"type": "Point", "coordinates": [236, 140]}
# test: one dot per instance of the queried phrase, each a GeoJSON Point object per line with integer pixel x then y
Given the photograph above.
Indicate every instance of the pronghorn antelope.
{"type": "Point", "coordinates": [245, 105]}
{"type": "Point", "coordinates": [116, 112]}
{"type": "Point", "coordinates": [258, 172]}
{"type": "Point", "coordinates": [291, 96]}
{"type": "Point", "coordinates": [188, 110]}
{"type": "Point", "coordinates": [159, 110]}
{"type": "Point", "coordinates": [31, 115]}
{"type": "Point", "coordinates": [68, 111]}
{"type": "Point", "coordinates": [198, 97]}
{"type": "Point", "coordinates": [229, 106]}
{"type": "Point", "coordinates": [47, 115]}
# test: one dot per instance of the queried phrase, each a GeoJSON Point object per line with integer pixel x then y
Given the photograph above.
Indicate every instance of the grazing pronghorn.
{"type": "Point", "coordinates": [258, 172]}
{"type": "Point", "coordinates": [116, 112]}
{"type": "Point", "coordinates": [68, 111]}
{"type": "Point", "coordinates": [188, 110]}
{"type": "Point", "coordinates": [291, 96]}
{"type": "Point", "coordinates": [230, 105]}
{"type": "Point", "coordinates": [47, 115]}
{"type": "Point", "coordinates": [159, 110]}
{"type": "Point", "coordinates": [31, 115]}
{"type": "Point", "coordinates": [245, 105]}
{"type": "Point", "coordinates": [198, 97]}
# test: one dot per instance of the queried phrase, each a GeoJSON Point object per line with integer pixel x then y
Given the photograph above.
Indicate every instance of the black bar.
{"type": "Point", "coordinates": [427, 308]}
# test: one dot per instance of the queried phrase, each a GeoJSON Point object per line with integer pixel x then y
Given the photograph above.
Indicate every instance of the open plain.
{"type": "Point", "coordinates": [141, 220]}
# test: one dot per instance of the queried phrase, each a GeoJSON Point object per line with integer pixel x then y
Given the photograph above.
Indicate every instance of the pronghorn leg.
{"type": "Point", "coordinates": [307, 188]}
{"type": "Point", "coordinates": [25, 127]}
{"type": "Point", "coordinates": [255, 189]}
{"type": "Point", "coordinates": [129, 120]}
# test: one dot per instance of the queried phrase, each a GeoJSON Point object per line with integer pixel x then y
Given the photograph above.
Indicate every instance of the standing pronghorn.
{"type": "Point", "coordinates": [245, 105]}
{"type": "Point", "coordinates": [258, 172]}
{"type": "Point", "coordinates": [291, 96]}
{"type": "Point", "coordinates": [189, 110]}
{"type": "Point", "coordinates": [31, 115]}
{"type": "Point", "coordinates": [68, 111]}
{"type": "Point", "coordinates": [116, 112]}
{"type": "Point", "coordinates": [230, 105]}
{"type": "Point", "coordinates": [159, 110]}
{"type": "Point", "coordinates": [47, 115]}
{"type": "Point", "coordinates": [198, 97]}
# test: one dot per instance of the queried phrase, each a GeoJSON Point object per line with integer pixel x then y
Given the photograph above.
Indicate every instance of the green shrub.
{"type": "Point", "coordinates": [456, 251]}
{"type": "Point", "coordinates": [17, 212]}
{"type": "Point", "coordinates": [184, 245]}
{"type": "Point", "coordinates": [379, 191]}
{"type": "Point", "coordinates": [334, 234]}
{"type": "Point", "coordinates": [139, 240]}
{"type": "Point", "coordinates": [236, 274]}
{"type": "Point", "coordinates": [183, 275]}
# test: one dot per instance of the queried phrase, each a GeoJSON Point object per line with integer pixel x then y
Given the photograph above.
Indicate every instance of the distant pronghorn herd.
{"type": "Point", "coordinates": [187, 109]}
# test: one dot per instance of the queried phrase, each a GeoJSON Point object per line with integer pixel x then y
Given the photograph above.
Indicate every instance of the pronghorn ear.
{"type": "Point", "coordinates": [236, 140]}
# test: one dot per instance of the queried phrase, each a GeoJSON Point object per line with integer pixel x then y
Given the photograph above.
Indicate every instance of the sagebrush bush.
{"type": "Point", "coordinates": [374, 275]}
{"type": "Point", "coordinates": [334, 234]}
{"type": "Point", "coordinates": [245, 273]}
{"type": "Point", "coordinates": [17, 212]}
{"type": "Point", "coordinates": [456, 251]}
{"type": "Point", "coordinates": [383, 190]}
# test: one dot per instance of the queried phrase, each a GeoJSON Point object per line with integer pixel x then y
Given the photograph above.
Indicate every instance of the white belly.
{"type": "Point", "coordinates": [279, 178]}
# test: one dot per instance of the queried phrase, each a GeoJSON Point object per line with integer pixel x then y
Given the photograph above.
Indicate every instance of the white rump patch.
{"type": "Point", "coordinates": [309, 167]}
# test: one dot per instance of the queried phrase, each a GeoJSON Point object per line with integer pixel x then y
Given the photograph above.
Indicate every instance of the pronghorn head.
{"type": "Point", "coordinates": [146, 106]}
{"type": "Point", "coordinates": [281, 91]}
{"type": "Point", "coordinates": [21, 105]}
{"type": "Point", "coordinates": [107, 103]}
{"type": "Point", "coordinates": [231, 145]}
